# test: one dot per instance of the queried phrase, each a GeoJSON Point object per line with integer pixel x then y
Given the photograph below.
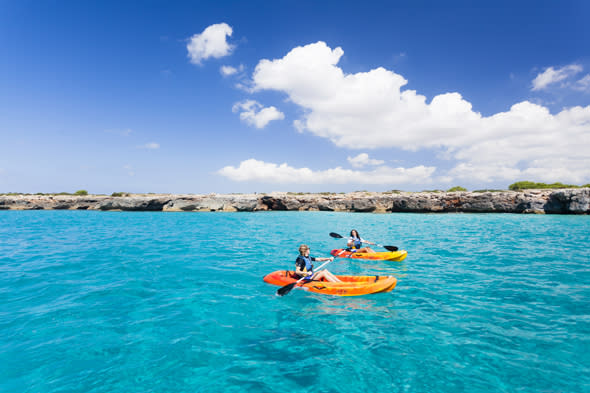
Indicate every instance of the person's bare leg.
{"type": "Point", "coordinates": [368, 250]}
{"type": "Point", "coordinates": [329, 276]}
{"type": "Point", "coordinates": [336, 279]}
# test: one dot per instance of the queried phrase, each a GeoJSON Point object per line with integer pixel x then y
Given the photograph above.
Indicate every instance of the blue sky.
{"type": "Point", "coordinates": [316, 96]}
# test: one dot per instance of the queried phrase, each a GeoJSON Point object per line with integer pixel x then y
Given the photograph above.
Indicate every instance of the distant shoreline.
{"type": "Point", "coordinates": [554, 201]}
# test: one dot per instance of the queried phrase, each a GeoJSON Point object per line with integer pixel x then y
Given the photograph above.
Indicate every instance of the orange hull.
{"type": "Point", "coordinates": [350, 285]}
{"type": "Point", "coordinates": [381, 256]}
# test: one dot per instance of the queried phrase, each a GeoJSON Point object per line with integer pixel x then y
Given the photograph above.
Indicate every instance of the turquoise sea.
{"type": "Point", "coordinates": [175, 302]}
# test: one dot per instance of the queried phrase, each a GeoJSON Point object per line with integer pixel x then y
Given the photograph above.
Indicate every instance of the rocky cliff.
{"type": "Point", "coordinates": [564, 201]}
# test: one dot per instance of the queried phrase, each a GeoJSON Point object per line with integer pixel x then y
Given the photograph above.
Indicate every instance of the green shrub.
{"type": "Point", "coordinates": [523, 185]}
{"type": "Point", "coordinates": [119, 194]}
{"type": "Point", "coordinates": [456, 188]}
{"type": "Point", "coordinates": [81, 192]}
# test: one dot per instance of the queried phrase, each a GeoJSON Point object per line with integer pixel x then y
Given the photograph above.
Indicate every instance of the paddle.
{"type": "Point", "coordinates": [282, 291]}
{"type": "Point", "coordinates": [389, 248]}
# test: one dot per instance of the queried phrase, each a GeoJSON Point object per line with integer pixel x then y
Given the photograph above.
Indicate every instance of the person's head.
{"type": "Point", "coordinates": [354, 233]}
{"type": "Point", "coordinates": [303, 249]}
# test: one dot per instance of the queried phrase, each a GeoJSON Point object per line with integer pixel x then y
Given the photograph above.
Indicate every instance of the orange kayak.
{"type": "Point", "coordinates": [382, 256]}
{"type": "Point", "coordinates": [350, 285]}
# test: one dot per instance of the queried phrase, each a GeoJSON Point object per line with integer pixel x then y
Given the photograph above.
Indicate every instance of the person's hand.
{"type": "Point", "coordinates": [331, 259]}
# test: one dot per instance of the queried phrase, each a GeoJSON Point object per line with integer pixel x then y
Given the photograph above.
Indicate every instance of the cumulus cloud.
{"type": "Point", "coordinates": [210, 43]}
{"type": "Point", "coordinates": [362, 160]}
{"type": "Point", "coordinates": [229, 70]}
{"type": "Point", "coordinates": [372, 109]}
{"type": "Point", "coordinates": [254, 114]}
{"type": "Point", "coordinates": [150, 146]}
{"type": "Point", "coordinates": [266, 172]}
{"type": "Point", "coordinates": [551, 75]}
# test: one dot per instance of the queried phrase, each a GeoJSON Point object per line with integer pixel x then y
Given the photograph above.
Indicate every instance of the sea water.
{"type": "Point", "coordinates": [175, 302]}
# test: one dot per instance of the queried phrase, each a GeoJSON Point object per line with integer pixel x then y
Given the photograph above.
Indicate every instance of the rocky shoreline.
{"type": "Point", "coordinates": [562, 201]}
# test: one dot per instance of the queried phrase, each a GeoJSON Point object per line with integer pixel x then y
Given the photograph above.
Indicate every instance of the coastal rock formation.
{"type": "Point", "coordinates": [563, 201]}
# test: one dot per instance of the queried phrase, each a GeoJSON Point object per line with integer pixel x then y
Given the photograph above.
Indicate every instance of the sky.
{"type": "Point", "coordinates": [302, 96]}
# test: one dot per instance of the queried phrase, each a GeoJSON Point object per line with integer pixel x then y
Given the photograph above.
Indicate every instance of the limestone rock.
{"type": "Point", "coordinates": [564, 201]}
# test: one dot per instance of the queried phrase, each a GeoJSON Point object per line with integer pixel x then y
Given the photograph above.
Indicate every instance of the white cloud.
{"type": "Point", "coordinates": [229, 70]}
{"type": "Point", "coordinates": [150, 146]}
{"type": "Point", "coordinates": [210, 43]}
{"type": "Point", "coordinates": [371, 109]}
{"type": "Point", "coordinates": [254, 114]}
{"type": "Point", "coordinates": [260, 171]}
{"type": "Point", "coordinates": [362, 160]}
{"type": "Point", "coordinates": [583, 84]}
{"type": "Point", "coordinates": [551, 75]}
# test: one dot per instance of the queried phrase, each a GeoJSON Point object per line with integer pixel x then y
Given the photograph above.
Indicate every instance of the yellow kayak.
{"type": "Point", "coordinates": [381, 256]}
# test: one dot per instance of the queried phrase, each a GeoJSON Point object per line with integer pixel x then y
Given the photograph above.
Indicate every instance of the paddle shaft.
{"type": "Point", "coordinates": [314, 273]}
{"type": "Point", "coordinates": [282, 291]}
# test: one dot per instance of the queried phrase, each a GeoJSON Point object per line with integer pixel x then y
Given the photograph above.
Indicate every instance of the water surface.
{"type": "Point", "coordinates": [175, 302]}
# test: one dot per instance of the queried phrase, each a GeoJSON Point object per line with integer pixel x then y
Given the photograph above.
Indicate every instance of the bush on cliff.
{"type": "Point", "coordinates": [523, 185]}
{"type": "Point", "coordinates": [119, 194]}
{"type": "Point", "coordinates": [81, 192]}
{"type": "Point", "coordinates": [456, 188]}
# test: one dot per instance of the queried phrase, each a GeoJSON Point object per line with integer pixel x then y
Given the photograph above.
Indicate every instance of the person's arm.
{"type": "Point", "coordinates": [300, 271]}
{"type": "Point", "coordinates": [325, 259]}
{"type": "Point", "coordinates": [366, 241]}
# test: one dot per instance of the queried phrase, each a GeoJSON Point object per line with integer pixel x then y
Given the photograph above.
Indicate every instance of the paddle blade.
{"type": "Point", "coordinates": [391, 248]}
{"type": "Point", "coordinates": [335, 235]}
{"type": "Point", "coordinates": [282, 291]}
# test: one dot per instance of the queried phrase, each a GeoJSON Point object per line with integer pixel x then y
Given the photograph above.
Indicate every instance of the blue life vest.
{"type": "Point", "coordinates": [308, 264]}
{"type": "Point", "coordinates": [357, 242]}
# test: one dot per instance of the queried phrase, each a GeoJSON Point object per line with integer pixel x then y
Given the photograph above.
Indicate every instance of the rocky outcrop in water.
{"type": "Point", "coordinates": [564, 201]}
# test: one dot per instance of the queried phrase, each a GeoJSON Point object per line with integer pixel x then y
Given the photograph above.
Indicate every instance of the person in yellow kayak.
{"type": "Point", "coordinates": [355, 243]}
{"type": "Point", "coordinates": [304, 266]}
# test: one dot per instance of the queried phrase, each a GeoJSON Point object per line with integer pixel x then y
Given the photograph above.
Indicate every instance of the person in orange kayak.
{"type": "Point", "coordinates": [304, 266]}
{"type": "Point", "coordinates": [355, 243]}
